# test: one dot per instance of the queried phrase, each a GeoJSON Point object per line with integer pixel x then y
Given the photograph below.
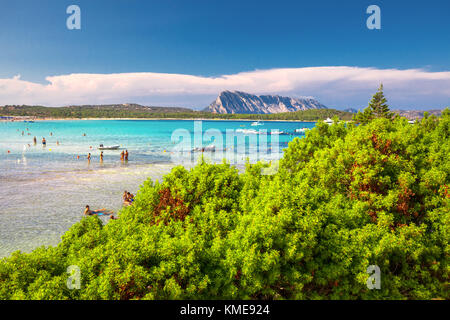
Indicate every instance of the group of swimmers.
{"type": "Point", "coordinates": [44, 142]}
{"type": "Point", "coordinates": [23, 132]}
{"type": "Point", "coordinates": [89, 157]}
{"type": "Point", "coordinates": [123, 156]}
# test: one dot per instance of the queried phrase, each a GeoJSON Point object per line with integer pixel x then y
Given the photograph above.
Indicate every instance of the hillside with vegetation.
{"type": "Point", "coordinates": [138, 111]}
{"type": "Point", "coordinates": [90, 111]}
{"type": "Point", "coordinates": [343, 198]}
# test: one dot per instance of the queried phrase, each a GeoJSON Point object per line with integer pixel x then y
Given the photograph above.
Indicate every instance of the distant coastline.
{"type": "Point", "coordinates": [155, 119]}
{"type": "Point", "coordinates": [136, 112]}
{"type": "Point", "coordinates": [133, 111]}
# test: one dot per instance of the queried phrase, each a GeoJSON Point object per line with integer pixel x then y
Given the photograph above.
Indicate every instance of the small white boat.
{"type": "Point", "coordinates": [256, 123]}
{"type": "Point", "coordinates": [247, 131]}
{"type": "Point", "coordinates": [301, 130]}
{"type": "Point", "coordinates": [102, 147]}
{"type": "Point", "coordinates": [276, 131]}
{"type": "Point", "coordinates": [329, 121]}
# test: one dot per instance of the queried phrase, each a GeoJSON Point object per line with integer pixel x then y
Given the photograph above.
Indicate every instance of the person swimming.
{"type": "Point", "coordinates": [89, 212]}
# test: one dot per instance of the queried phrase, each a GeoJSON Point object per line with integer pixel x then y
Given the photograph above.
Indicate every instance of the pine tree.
{"type": "Point", "coordinates": [377, 108]}
{"type": "Point", "coordinates": [378, 105]}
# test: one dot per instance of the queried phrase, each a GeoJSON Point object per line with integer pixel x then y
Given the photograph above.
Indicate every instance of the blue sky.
{"type": "Point", "coordinates": [217, 38]}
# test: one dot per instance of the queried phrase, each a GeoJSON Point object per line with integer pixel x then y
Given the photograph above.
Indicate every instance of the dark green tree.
{"type": "Point", "coordinates": [364, 117]}
{"type": "Point", "coordinates": [377, 108]}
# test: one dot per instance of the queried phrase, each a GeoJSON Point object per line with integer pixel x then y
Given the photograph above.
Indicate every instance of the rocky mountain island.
{"type": "Point", "coordinates": [244, 103]}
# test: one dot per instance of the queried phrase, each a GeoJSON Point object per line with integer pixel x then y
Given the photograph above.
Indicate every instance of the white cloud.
{"type": "Point", "coordinates": [333, 86]}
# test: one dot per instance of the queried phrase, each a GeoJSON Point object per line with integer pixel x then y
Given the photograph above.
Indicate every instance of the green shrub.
{"type": "Point", "coordinates": [345, 197]}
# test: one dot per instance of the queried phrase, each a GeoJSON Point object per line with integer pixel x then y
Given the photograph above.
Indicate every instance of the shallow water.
{"type": "Point", "coordinates": [43, 191]}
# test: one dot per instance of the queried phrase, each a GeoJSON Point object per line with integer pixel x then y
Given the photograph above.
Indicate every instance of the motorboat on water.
{"type": "Point", "coordinates": [247, 131]}
{"type": "Point", "coordinates": [276, 131]}
{"type": "Point", "coordinates": [257, 123]}
{"type": "Point", "coordinates": [301, 130]}
{"type": "Point", "coordinates": [329, 121]}
{"type": "Point", "coordinates": [102, 147]}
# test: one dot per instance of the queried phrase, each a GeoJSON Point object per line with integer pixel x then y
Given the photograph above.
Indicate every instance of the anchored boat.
{"type": "Point", "coordinates": [102, 147]}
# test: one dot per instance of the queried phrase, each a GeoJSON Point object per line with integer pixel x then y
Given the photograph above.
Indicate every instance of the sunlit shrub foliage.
{"type": "Point", "coordinates": [345, 197]}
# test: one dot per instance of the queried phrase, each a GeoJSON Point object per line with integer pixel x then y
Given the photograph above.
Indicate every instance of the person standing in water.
{"type": "Point", "coordinates": [44, 143]}
{"type": "Point", "coordinates": [122, 155]}
{"type": "Point", "coordinates": [126, 155]}
{"type": "Point", "coordinates": [34, 140]}
{"type": "Point", "coordinates": [125, 198]}
{"type": "Point", "coordinates": [89, 157]}
{"type": "Point", "coordinates": [101, 156]}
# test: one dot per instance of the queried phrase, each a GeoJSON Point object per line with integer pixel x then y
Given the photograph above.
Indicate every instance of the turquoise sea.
{"type": "Point", "coordinates": [43, 190]}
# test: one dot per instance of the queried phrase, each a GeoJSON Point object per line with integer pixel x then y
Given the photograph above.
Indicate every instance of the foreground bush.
{"type": "Point", "coordinates": [344, 198]}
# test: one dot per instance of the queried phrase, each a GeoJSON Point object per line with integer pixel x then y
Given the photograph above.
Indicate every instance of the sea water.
{"type": "Point", "coordinates": [44, 190]}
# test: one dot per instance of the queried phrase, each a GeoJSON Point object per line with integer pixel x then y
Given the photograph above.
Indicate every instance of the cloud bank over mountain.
{"type": "Point", "coordinates": [333, 86]}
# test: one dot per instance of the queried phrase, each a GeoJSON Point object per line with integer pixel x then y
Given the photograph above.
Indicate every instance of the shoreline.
{"type": "Point", "coordinates": [156, 119]}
